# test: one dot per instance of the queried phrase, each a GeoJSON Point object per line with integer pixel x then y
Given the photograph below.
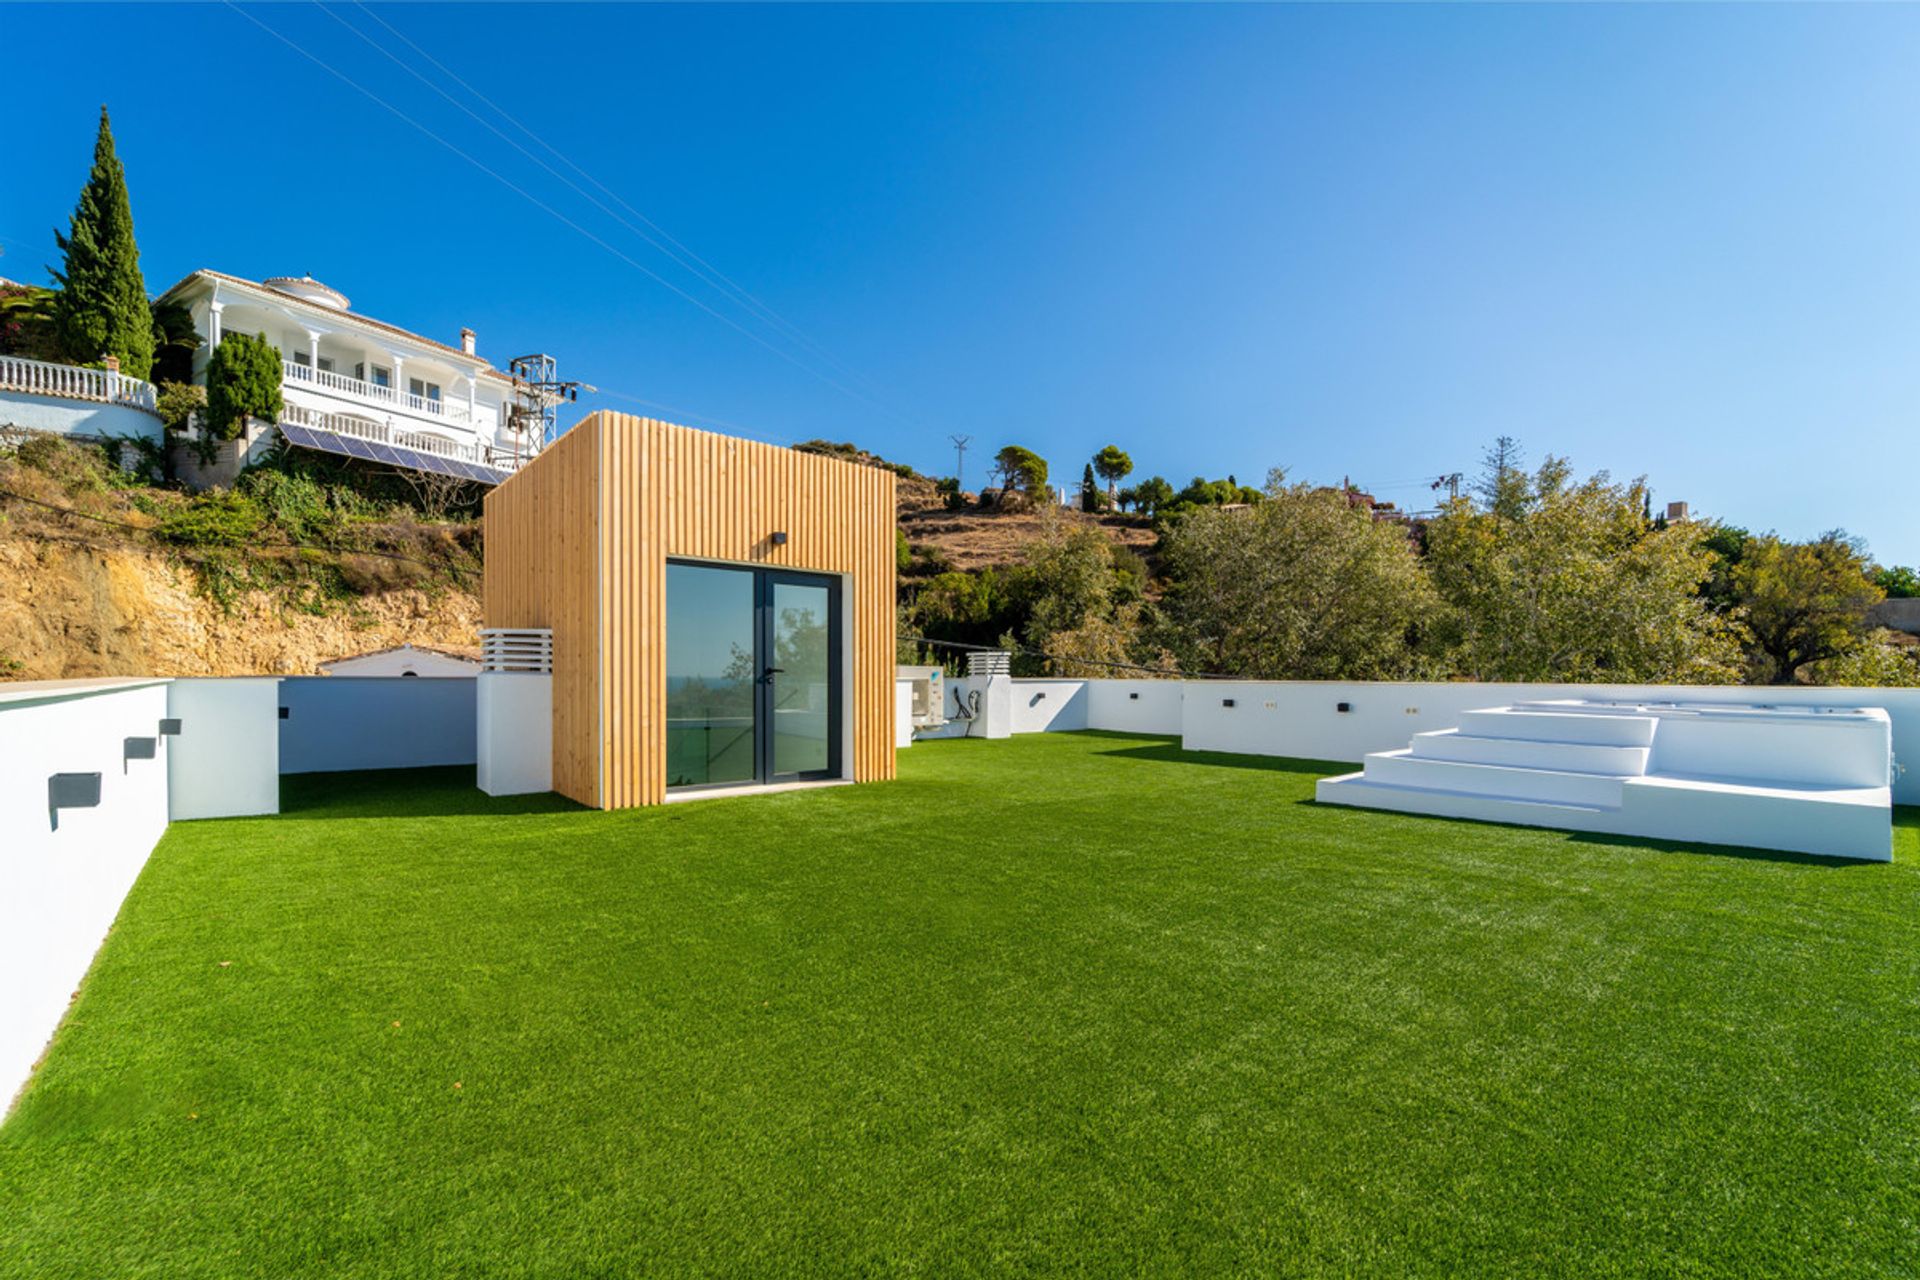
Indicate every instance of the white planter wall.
{"type": "Point", "coordinates": [61, 883]}
{"type": "Point", "coordinates": [336, 723]}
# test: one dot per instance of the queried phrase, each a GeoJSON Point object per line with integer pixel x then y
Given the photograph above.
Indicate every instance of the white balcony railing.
{"type": "Point", "coordinates": [70, 382]}
{"type": "Point", "coordinates": [346, 424]}
{"type": "Point", "coordinates": [371, 392]}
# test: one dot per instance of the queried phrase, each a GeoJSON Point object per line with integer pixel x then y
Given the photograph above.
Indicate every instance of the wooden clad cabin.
{"type": "Point", "coordinates": [722, 610]}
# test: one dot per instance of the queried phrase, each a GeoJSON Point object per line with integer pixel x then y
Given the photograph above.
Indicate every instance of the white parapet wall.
{"type": "Point", "coordinates": [1048, 706]}
{"type": "Point", "coordinates": [64, 872]}
{"type": "Point", "coordinates": [1135, 706]}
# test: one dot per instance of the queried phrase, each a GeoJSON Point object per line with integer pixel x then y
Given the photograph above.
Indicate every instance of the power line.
{"type": "Point", "coordinates": [1162, 672]}
{"type": "Point", "coordinates": [679, 252]}
{"type": "Point", "coordinates": [544, 207]}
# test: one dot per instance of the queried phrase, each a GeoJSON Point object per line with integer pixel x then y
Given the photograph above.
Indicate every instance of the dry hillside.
{"type": "Point", "coordinates": [102, 580]}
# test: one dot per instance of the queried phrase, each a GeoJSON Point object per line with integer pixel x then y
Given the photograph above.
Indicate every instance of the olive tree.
{"type": "Point", "coordinates": [1300, 586]}
{"type": "Point", "coordinates": [1548, 579]}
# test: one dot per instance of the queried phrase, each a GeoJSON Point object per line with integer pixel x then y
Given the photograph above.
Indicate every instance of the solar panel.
{"type": "Point", "coordinates": [391, 455]}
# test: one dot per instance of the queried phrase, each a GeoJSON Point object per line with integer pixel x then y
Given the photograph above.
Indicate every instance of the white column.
{"type": "Point", "coordinates": [473, 412]}
{"type": "Point", "coordinates": [313, 352]}
{"type": "Point", "coordinates": [400, 380]}
{"type": "Point", "coordinates": [213, 325]}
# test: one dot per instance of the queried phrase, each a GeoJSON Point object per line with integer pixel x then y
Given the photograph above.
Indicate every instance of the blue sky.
{"type": "Point", "coordinates": [1352, 241]}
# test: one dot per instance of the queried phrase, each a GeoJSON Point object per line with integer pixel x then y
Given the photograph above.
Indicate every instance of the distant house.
{"type": "Point", "coordinates": [407, 660]}
{"type": "Point", "coordinates": [361, 387]}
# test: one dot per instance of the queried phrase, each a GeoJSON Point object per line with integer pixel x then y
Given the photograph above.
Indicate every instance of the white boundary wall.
{"type": "Point", "coordinates": [335, 723]}
{"type": "Point", "coordinates": [1302, 718]}
{"type": "Point", "coordinates": [62, 882]}
{"type": "Point", "coordinates": [1135, 706]}
{"type": "Point", "coordinates": [1049, 706]}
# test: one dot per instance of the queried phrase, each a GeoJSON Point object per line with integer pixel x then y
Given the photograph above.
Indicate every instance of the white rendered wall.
{"type": "Point", "coordinates": [76, 417]}
{"type": "Point", "coordinates": [335, 723]}
{"type": "Point", "coordinates": [226, 761]}
{"type": "Point", "coordinates": [61, 885]}
{"type": "Point", "coordinates": [1135, 706]}
{"type": "Point", "coordinates": [1041, 706]}
{"type": "Point", "coordinates": [513, 718]}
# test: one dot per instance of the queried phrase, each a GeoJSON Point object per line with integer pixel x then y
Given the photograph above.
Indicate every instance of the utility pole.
{"type": "Point", "coordinates": [960, 461]}
{"type": "Point", "coordinates": [538, 393]}
{"type": "Point", "coordinates": [1450, 482]}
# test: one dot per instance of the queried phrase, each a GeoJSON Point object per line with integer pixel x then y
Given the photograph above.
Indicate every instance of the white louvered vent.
{"type": "Point", "coordinates": [507, 649]}
{"type": "Point", "coordinates": [998, 663]}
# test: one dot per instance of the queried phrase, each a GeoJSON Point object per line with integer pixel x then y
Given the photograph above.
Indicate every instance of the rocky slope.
{"type": "Point", "coordinates": [71, 607]}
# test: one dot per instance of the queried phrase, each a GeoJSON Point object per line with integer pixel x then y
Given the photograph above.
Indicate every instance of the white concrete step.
{"type": "Point", "coordinates": [1360, 792]}
{"type": "Point", "coordinates": [1560, 726]}
{"type": "Point", "coordinates": [1502, 782]}
{"type": "Point", "coordinates": [1531, 753]}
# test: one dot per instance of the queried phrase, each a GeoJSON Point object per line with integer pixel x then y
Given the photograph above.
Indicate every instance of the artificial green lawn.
{"type": "Point", "coordinates": [1060, 1004]}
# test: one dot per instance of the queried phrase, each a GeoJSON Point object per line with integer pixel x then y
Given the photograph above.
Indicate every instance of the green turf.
{"type": "Point", "coordinates": [1061, 1004]}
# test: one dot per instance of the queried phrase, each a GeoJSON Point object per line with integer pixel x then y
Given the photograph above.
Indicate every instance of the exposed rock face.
{"type": "Point", "coordinates": [69, 609]}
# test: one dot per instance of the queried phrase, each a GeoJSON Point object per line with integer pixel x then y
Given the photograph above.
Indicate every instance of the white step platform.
{"type": "Point", "coordinates": [1804, 779]}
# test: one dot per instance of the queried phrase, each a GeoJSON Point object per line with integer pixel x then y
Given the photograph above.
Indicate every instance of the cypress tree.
{"type": "Point", "coordinates": [102, 306]}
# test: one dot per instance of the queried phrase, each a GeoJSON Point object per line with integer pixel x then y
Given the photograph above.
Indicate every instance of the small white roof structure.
{"type": "Point", "coordinates": [404, 660]}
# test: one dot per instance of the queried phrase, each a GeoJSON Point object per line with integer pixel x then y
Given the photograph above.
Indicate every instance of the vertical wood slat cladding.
{"type": "Point", "coordinates": [541, 571]}
{"type": "Point", "coordinates": [578, 540]}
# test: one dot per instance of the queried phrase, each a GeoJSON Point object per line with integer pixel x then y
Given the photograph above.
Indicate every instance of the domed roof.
{"type": "Point", "coordinates": [307, 289]}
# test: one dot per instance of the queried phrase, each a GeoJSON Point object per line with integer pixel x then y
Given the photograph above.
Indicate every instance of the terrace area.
{"type": "Point", "coordinates": [1067, 1002]}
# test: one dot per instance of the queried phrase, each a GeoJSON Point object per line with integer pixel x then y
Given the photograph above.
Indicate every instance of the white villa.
{"type": "Point", "coordinates": [361, 387]}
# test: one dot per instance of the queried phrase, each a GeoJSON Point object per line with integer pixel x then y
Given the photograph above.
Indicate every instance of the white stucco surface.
{"type": "Point", "coordinates": [63, 876]}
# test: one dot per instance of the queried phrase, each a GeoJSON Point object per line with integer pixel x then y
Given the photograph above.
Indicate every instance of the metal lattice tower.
{"type": "Point", "coordinates": [538, 393]}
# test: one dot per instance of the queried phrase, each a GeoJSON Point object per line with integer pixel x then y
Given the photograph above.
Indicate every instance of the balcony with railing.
{"type": "Point", "coordinates": [71, 382]}
{"type": "Point", "coordinates": [375, 394]}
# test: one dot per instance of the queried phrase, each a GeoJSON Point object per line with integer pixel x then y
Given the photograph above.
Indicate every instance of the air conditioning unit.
{"type": "Point", "coordinates": [929, 695]}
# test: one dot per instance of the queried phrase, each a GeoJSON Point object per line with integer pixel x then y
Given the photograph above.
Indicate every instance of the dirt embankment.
{"type": "Point", "coordinates": [75, 607]}
{"type": "Point", "coordinates": [974, 539]}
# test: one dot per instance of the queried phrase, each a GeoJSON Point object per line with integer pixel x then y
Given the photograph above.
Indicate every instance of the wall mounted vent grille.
{"type": "Point", "coordinates": [504, 649]}
{"type": "Point", "coordinates": [989, 664]}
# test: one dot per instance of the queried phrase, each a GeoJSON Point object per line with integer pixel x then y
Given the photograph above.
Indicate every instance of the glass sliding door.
{"type": "Point", "coordinates": [754, 663]}
{"type": "Point", "coordinates": [713, 672]}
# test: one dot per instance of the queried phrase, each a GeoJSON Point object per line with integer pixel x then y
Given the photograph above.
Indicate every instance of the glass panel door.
{"type": "Point", "coordinates": [712, 676]}
{"type": "Point", "coordinates": [801, 676]}
{"type": "Point", "coordinates": [753, 675]}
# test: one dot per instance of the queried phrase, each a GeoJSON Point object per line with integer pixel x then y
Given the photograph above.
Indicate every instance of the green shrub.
{"type": "Point", "coordinates": [78, 468]}
{"type": "Point", "coordinates": [243, 381]}
{"type": "Point", "coordinates": [296, 503]}
{"type": "Point", "coordinates": [217, 518]}
{"type": "Point", "coordinates": [178, 402]}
